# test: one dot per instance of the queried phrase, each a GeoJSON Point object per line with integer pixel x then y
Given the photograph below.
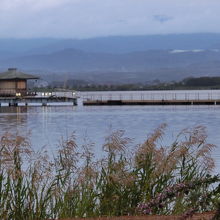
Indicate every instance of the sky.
{"type": "Point", "coordinates": [92, 18]}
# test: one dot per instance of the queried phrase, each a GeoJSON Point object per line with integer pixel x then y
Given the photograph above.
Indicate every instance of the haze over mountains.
{"type": "Point", "coordinates": [126, 59]}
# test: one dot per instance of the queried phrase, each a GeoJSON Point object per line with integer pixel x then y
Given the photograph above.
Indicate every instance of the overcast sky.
{"type": "Point", "coordinates": [90, 18]}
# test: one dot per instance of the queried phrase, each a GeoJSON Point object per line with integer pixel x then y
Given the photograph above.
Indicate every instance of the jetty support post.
{"type": "Point", "coordinates": [74, 101]}
{"type": "Point", "coordinates": [13, 102]}
{"type": "Point", "coordinates": [44, 102]}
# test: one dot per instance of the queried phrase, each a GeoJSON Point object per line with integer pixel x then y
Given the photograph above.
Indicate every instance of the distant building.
{"type": "Point", "coordinates": [14, 83]}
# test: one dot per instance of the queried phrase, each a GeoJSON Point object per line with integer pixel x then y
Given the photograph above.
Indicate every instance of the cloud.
{"type": "Point", "coordinates": [162, 18]}
{"type": "Point", "coordinates": [89, 18]}
{"type": "Point", "coordinates": [18, 5]}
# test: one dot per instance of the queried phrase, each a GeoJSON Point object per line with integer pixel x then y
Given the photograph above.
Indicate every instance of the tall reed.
{"type": "Point", "coordinates": [127, 180]}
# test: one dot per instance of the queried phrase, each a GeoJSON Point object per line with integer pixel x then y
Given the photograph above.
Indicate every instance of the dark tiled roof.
{"type": "Point", "coordinates": [12, 73]}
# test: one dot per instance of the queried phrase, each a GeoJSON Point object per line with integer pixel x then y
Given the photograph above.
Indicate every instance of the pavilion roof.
{"type": "Point", "coordinates": [12, 73]}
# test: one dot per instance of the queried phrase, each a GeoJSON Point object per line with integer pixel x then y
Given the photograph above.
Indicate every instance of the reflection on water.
{"type": "Point", "coordinates": [13, 110]}
{"type": "Point", "coordinates": [48, 124]}
{"type": "Point", "coordinates": [10, 117]}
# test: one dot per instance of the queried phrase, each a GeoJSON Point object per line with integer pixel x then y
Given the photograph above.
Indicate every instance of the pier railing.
{"type": "Point", "coordinates": [67, 94]}
{"type": "Point", "coordinates": [152, 96]}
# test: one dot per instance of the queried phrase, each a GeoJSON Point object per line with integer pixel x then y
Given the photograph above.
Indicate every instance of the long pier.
{"type": "Point", "coordinates": [153, 98]}
{"type": "Point", "coordinates": [151, 102]}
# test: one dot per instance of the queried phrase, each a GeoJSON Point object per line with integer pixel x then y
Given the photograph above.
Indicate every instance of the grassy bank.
{"type": "Point", "coordinates": [146, 179]}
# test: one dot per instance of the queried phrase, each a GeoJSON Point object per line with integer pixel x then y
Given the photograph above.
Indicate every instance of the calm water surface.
{"type": "Point", "coordinates": [48, 124]}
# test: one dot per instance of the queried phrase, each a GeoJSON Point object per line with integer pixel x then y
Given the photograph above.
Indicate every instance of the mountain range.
{"type": "Point", "coordinates": [115, 59]}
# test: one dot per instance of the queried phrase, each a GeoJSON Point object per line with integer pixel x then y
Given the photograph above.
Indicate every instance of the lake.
{"type": "Point", "coordinates": [48, 124]}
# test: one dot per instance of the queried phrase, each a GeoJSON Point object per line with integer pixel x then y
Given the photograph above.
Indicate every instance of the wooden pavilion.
{"type": "Point", "coordinates": [14, 83]}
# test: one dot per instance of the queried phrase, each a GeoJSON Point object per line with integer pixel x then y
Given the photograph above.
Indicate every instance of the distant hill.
{"type": "Point", "coordinates": [24, 45]}
{"type": "Point", "coordinates": [125, 44]}
{"type": "Point", "coordinates": [145, 65]}
{"type": "Point", "coordinates": [116, 59]}
{"type": "Point", "coordinates": [113, 44]}
{"type": "Point", "coordinates": [78, 60]}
